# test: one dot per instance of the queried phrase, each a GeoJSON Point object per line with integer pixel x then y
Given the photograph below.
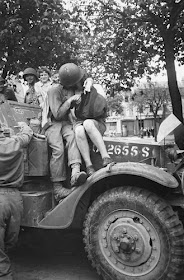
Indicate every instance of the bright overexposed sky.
{"type": "Point", "coordinates": [162, 76]}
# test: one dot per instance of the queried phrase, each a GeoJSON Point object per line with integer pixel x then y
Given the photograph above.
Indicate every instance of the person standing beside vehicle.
{"type": "Point", "coordinates": [44, 83]}
{"type": "Point", "coordinates": [55, 78]}
{"type": "Point", "coordinates": [11, 179]}
{"type": "Point", "coordinates": [20, 87]}
{"type": "Point", "coordinates": [32, 96]}
{"type": "Point", "coordinates": [42, 88]}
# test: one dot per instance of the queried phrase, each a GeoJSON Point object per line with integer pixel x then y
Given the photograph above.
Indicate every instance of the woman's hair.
{"type": "Point", "coordinates": [44, 69]}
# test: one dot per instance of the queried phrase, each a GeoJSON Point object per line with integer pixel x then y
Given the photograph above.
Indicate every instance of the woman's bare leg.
{"type": "Point", "coordinates": [95, 137]}
{"type": "Point", "coordinates": [82, 144]}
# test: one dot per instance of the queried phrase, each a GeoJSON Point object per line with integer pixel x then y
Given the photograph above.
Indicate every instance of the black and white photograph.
{"type": "Point", "coordinates": [92, 139]}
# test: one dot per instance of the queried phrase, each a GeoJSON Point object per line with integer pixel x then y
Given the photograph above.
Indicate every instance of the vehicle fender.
{"type": "Point", "coordinates": [62, 215]}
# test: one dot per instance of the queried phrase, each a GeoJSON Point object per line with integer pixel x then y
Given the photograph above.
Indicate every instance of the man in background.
{"type": "Point", "coordinates": [6, 92]}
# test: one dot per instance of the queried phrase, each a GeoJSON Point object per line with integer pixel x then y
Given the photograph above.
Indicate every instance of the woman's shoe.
{"type": "Point", "coordinates": [90, 170]}
{"type": "Point", "coordinates": [106, 161]}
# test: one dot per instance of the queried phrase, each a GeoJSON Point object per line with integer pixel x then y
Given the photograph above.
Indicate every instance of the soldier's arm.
{"type": "Point", "coordinates": [25, 134]}
{"type": "Point", "coordinates": [59, 106]}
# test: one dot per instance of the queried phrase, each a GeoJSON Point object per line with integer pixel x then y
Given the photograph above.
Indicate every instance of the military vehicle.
{"type": "Point", "coordinates": [131, 211]}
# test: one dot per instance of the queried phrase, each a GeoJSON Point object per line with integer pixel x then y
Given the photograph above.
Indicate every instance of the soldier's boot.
{"type": "Point", "coordinates": [61, 192]}
{"type": "Point", "coordinates": [77, 177]}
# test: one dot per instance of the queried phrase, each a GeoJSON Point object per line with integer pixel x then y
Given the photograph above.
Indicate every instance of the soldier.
{"type": "Point", "coordinates": [60, 128]}
{"type": "Point", "coordinates": [11, 205]}
{"type": "Point", "coordinates": [32, 96]}
{"type": "Point", "coordinates": [73, 79]}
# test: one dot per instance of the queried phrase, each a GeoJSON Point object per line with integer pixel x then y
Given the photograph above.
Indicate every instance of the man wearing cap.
{"type": "Point", "coordinates": [6, 92]}
{"type": "Point", "coordinates": [11, 179]}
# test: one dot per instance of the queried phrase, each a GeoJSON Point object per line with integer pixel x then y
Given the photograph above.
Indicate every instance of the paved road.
{"type": "Point", "coordinates": [52, 257]}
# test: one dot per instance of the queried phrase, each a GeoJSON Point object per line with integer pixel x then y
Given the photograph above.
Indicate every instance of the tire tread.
{"type": "Point", "coordinates": [167, 216]}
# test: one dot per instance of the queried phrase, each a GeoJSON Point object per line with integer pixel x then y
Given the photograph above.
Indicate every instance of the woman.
{"type": "Point", "coordinates": [74, 78]}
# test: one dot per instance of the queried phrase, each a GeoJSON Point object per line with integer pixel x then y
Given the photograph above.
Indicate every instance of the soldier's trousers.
{"type": "Point", "coordinates": [59, 136]}
{"type": "Point", "coordinates": [11, 208]}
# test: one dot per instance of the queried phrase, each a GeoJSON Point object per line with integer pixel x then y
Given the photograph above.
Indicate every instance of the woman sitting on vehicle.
{"type": "Point", "coordinates": [73, 78]}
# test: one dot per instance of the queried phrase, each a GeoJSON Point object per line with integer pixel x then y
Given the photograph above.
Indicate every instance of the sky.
{"type": "Point", "coordinates": [162, 76]}
{"type": "Point", "coordinates": [179, 74]}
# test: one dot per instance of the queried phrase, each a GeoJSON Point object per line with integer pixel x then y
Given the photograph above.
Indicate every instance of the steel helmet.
{"type": "Point", "coordinates": [70, 74]}
{"type": "Point", "coordinates": [30, 71]}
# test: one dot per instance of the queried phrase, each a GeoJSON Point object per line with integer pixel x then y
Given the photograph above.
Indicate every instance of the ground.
{"type": "Point", "coordinates": [51, 256]}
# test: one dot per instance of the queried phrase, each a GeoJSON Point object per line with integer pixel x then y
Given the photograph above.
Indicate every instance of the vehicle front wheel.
{"type": "Point", "coordinates": [131, 233]}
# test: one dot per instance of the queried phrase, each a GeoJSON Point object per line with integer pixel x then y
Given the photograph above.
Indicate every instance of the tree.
{"type": "Point", "coordinates": [34, 33]}
{"type": "Point", "coordinates": [115, 103]}
{"type": "Point", "coordinates": [154, 97]}
{"type": "Point", "coordinates": [129, 34]}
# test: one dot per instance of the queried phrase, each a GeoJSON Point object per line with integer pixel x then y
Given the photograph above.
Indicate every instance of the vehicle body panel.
{"type": "Point", "coordinates": [39, 209]}
{"type": "Point", "coordinates": [136, 149]}
{"type": "Point", "coordinates": [62, 215]}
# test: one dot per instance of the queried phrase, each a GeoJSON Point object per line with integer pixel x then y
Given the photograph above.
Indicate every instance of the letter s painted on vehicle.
{"type": "Point", "coordinates": [145, 151]}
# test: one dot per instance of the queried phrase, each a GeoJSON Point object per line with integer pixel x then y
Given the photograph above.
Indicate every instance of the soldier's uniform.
{"type": "Point", "coordinates": [11, 206]}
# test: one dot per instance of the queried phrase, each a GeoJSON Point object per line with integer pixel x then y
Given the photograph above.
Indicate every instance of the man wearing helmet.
{"type": "Point", "coordinates": [61, 130]}
{"type": "Point", "coordinates": [31, 96]}
{"type": "Point", "coordinates": [73, 79]}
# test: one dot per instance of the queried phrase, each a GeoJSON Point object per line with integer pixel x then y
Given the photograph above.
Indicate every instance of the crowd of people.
{"type": "Point", "coordinates": [44, 78]}
{"type": "Point", "coordinates": [57, 93]}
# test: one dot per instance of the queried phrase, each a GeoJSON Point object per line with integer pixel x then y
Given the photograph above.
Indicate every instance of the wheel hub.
{"type": "Point", "coordinates": [130, 243]}
{"type": "Point", "coordinates": [127, 244]}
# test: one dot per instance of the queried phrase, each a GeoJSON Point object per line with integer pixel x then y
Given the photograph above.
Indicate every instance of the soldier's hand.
{"type": "Point", "coordinates": [22, 124]}
{"type": "Point", "coordinates": [88, 85]}
{"type": "Point", "coordinates": [75, 99]}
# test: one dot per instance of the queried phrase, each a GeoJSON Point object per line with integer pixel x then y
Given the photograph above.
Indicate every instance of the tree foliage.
{"type": "Point", "coordinates": [115, 103]}
{"type": "Point", "coordinates": [127, 35]}
{"type": "Point", "coordinates": [35, 32]}
{"type": "Point", "coordinates": [153, 97]}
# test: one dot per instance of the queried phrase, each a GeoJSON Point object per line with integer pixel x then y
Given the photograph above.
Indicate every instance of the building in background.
{"type": "Point", "coordinates": [133, 120]}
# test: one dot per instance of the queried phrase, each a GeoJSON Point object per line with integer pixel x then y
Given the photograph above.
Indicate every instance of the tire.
{"type": "Point", "coordinates": [132, 234]}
